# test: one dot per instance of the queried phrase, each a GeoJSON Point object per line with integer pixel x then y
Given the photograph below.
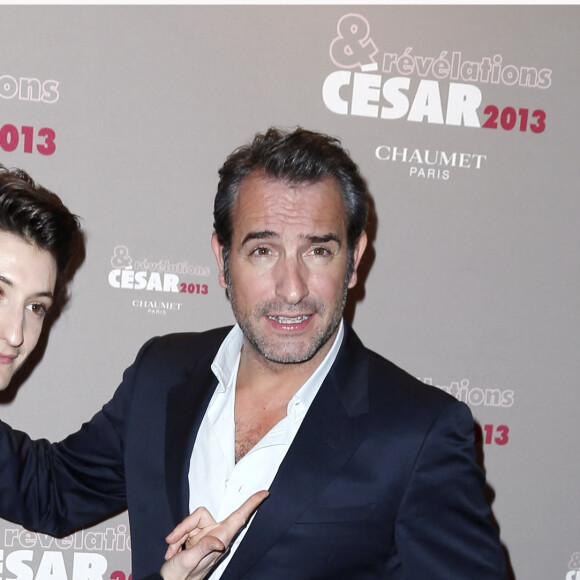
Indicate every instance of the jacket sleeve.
{"type": "Point", "coordinates": [56, 488]}
{"type": "Point", "coordinates": [443, 528]}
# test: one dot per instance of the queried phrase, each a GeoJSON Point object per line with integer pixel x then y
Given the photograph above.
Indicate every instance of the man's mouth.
{"type": "Point", "coordinates": [7, 358]}
{"type": "Point", "coordinates": [289, 320]}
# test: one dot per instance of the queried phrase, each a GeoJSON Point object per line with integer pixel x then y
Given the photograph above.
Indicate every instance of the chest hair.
{"type": "Point", "coordinates": [251, 429]}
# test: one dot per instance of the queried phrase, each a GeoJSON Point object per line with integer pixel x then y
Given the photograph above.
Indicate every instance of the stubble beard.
{"type": "Point", "coordinates": [278, 350]}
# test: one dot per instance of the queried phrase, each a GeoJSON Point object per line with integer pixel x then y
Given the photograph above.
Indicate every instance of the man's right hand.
{"type": "Point", "coordinates": [198, 542]}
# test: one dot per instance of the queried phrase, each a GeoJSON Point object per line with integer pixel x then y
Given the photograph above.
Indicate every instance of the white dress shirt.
{"type": "Point", "coordinates": [216, 481]}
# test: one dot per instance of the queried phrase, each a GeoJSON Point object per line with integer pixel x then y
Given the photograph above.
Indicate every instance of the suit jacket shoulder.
{"type": "Point", "coordinates": [372, 383]}
{"type": "Point", "coordinates": [182, 353]}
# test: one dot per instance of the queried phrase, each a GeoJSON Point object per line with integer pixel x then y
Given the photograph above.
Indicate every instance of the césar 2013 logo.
{"type": "Point", "coordinates": [160, 276]}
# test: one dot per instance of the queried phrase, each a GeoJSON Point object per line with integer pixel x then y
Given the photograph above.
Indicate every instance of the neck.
{"type": "Point", "coordinates": [258, 373]}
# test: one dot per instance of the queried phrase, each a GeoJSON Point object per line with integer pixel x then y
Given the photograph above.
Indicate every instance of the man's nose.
{"type": "Point", "coordinates": [291, 282]}
{"type": "Point", "coordinates": [12, 325]}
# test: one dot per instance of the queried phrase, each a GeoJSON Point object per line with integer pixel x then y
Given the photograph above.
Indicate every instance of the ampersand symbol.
{"type": "Point", "coordinates": [121, 258]}
{"type": "Point", "coordinates": [353, 47]}
{"type": "Point", "coordinates": [574, 563]}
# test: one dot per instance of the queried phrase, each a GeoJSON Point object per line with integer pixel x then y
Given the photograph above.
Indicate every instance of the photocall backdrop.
{"type": "Point", "coordinates": [464, 121]}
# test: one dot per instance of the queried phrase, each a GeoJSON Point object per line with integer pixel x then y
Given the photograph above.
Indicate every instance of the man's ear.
{"type": "Point", "coordinates": [219, 256]}
{"type": "Point", "coordinates": [359, 250]}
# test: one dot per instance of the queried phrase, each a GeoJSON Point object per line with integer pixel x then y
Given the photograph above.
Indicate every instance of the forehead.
{"type": "Point", "coordinates": [25, 263]}
{"type": "Point", "coordinates": [265, 203]}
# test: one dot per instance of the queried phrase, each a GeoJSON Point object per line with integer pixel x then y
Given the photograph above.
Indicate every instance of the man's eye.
{"type": "Point", "coordinates": [321, 252]}
{"type": "Point", "coordinates": [37, 308]}
{"type": "Point", "coordinates": [260, 251]}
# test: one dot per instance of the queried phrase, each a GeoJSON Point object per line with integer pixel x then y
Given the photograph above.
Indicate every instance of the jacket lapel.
{"type": "Point", "coordinates": [332, 430]}
{"type": "Point", "coordinates": [186, 406]}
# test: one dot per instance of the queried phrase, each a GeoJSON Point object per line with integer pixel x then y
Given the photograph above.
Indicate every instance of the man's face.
{"type": "Point", "coordinates": [27, 281]}
{"type": "Point", "coordinates": [288, 265]}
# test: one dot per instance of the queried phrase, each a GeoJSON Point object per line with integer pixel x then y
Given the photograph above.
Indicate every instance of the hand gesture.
{"type": "Point", "coordinates": [198, 542]}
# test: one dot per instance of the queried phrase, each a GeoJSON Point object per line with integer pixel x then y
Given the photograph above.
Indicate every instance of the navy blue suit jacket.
{"type": "Point", "coordinates": [381, 480]}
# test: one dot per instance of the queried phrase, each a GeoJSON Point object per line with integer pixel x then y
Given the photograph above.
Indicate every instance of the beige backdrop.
{"type": "Point", "coordinates": [464, 120]}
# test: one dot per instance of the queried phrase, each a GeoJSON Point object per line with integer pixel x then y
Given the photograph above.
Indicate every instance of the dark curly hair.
{"type": "Point", "coordinates": [37, 215]}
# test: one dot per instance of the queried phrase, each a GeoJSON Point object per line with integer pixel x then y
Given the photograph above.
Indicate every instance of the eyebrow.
{"type": "Point", "coordinates": [9, 282]}
{"type": "Point", "coordinates": [324, 239]}
{"type": "Point", "coordinates": [44, 295]}
{"type": "Point", "coordinates": [263, 235]}
{"type": "Point", "coordinates": [268, 234]}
